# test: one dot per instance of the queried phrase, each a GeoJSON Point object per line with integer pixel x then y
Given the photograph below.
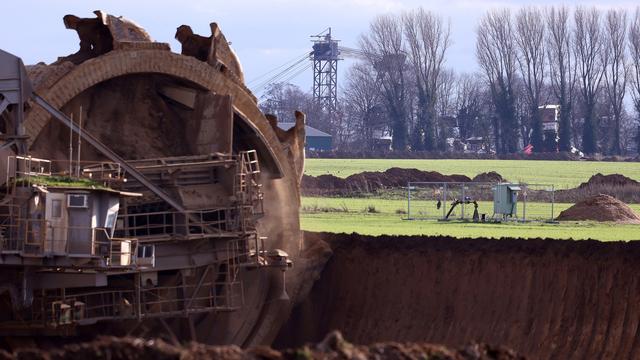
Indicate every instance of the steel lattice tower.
{"type": "Point", "coordinates": [325, 71]}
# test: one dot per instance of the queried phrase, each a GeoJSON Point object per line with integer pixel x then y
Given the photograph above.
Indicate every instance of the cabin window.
{"type": "Point", "coordinates": [146, 251]}
{"type": "Point", "coordinates": [146, 256]}
{"type": "Point", "coordinates": [56, 209]}
{"type": "Point", "coordinates": [111, 220]}
{"type": "Point", "coordinates": [77, 200]}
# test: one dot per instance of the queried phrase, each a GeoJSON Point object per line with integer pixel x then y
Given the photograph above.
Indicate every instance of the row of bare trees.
{"type": "Point", "coordinates": [581, 60]}
{"type": "Point", "coordinates": [404, 70]}
{"type": "Point", "coordinates": [585, 60]}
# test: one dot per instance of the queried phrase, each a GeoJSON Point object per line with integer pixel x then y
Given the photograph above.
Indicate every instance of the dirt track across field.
{"type": "Point", "coordinates": [542, 298]}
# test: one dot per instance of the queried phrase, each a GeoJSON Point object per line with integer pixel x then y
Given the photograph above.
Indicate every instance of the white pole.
{"type": "Point", "coordinates": [79, 141]}
{"type": "Point", "coordinates": [71, 149]}
{"type": "Point", "coordinates": [409, 201]}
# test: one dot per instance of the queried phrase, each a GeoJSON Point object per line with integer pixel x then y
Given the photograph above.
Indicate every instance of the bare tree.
{"type": "Point", "coordinates": [468, 95]}
{"type": "Point", "coordinates": [445, 108]}
{"type": "Point", "coordinates": [588, 48]}
{"type": "Point", "coordinates": [616, 70]}
{"type": "Point", "coordinates": [530, 38]}
{"type": "Point", "coordinates": [361, 98]}
{"type": "Point", "coordinates": [283, 100]}
{"type": "Point", "coordinates": [445, 103]}
{"type": "Point", "coordinates": [634, 50]}
{"type": "Point", "coordinates": [628, 130]}
{"type": "Point", "coordinates": [562, 69]}
{"type": "Point", "coordinates": [383, 44]}
{"type": "Point", "coordinates": [427, 38]}
{"type": "Point", "coordinates": [496, 54]}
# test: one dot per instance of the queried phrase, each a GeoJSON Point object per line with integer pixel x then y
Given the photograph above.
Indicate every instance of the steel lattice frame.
{"type": "Point", "coordinates": [325, 84]}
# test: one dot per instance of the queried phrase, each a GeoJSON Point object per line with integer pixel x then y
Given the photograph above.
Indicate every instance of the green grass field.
{"type": "Point", "coordinates": [562, 174]}
{"type": "Point", "coordinates": [354, 215]}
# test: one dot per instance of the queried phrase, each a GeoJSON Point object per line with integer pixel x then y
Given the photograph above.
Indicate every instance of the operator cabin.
{"type": "Point", "coordinates": [72, 221]}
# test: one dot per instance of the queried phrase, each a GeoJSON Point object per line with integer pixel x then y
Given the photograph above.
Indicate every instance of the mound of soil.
{"type": "Point", "coordinates": [371, 181]}
{"type": "Point", "coordinates": [332, 347]}
{"type": "Point", "coordinates": [490, 176]}
{"type": "Point", "coordinates": [600, 208]}
{"type": "Point", "coordinates": [616, 185]}
{"type": "Point", "coordinates": [608, 180]}
{"type": "Point", "coordinates": [546, 299]}
{"type": "Point", "coordinates": [619, 186]}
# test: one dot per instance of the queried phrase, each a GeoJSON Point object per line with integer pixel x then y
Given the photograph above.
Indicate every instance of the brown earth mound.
{"type": "Point", "coordinates": [616, 185]}
{"type": "Point", "coordinates": [619, 186]}
{"type": "Point", "coordinates": [547, 299]}
{"type": "Point", "coordinates": [371, 181]}
{"type": "Point", "coordinates": [490, 176]}
{"type": "Point", "coordinates": [600, 208]}
{"type": "Point", "coordinates": [608, 180]}
{"type": "Point", "coordinates": [332, 347]}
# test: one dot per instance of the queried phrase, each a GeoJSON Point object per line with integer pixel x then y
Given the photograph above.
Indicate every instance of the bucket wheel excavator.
{"type": "Point", "coordinates": [144, 192]}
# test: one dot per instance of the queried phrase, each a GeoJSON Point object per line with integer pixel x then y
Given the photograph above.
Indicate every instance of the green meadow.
{"type": "Point", "coordinates": [377, 215]}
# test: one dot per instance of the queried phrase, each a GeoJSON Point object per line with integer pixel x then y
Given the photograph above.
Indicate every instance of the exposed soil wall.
{"type": "Point", "coordinates": [543, 298]}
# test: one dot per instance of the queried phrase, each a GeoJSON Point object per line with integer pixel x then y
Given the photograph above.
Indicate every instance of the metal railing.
{"type": "Point", "coordinates": [171, 225]}
{"type": "Point", "coordinates": [26, 168]}
{"type": "Point", "coordinates": [39, 237]}
{"type": "Point", "coordinates": [183, 170]}
{"type": "Point", "coordinates": [245, 251]}
{"type": "Point", "coordinates": [59, 308]}
{"type": "Point", "coordinates": [118, 252]}
{"type": "Point", "coordinates": [103, 171]}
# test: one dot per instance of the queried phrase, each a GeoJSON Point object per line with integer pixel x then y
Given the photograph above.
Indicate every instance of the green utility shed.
{"type": "Point", "coordinates": [505, 199]}
{"type": "Point", "coordinates": [315, 140]}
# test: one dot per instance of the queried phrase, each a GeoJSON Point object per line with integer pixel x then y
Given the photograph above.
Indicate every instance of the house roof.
{"type": "Point", "coordinates": [310, 131]}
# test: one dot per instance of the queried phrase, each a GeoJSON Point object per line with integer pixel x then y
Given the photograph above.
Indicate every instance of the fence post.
{"type": "Point", "coordinates": [463, 200]}
{"type": "Point", "coordinates": [553, 200]}
{"type": "Point", "coordinates": [409, 201]}
{"type": "Point", "coordinates": [524, 206]}
{"type": "Point", "coordinates": [444, 200]}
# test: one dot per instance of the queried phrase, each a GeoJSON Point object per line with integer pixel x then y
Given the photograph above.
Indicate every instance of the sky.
{"type": "Point", "coordinates": [264, 33]}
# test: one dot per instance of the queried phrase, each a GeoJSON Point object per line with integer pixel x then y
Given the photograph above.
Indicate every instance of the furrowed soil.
{"type": "Point", "coordinates": [542, 298]}
{"type": "Point", "coordinates": [334, 346]}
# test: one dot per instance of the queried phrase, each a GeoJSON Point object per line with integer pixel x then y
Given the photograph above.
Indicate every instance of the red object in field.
{"type": "Point", "coordinates": [528, 149]}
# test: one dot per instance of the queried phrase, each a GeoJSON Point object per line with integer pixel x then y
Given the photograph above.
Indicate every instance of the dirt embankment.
{"type": "Point", "coordinates": [542, 298]}
{"type": "Point", "coordinates": [332, 347]}
{"type": "Point", "coordinates": [616, 185]}
{"type": "Point", "coordinates": [600, 208]}
{"type": "Point", "coordinates": [371, 181]}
